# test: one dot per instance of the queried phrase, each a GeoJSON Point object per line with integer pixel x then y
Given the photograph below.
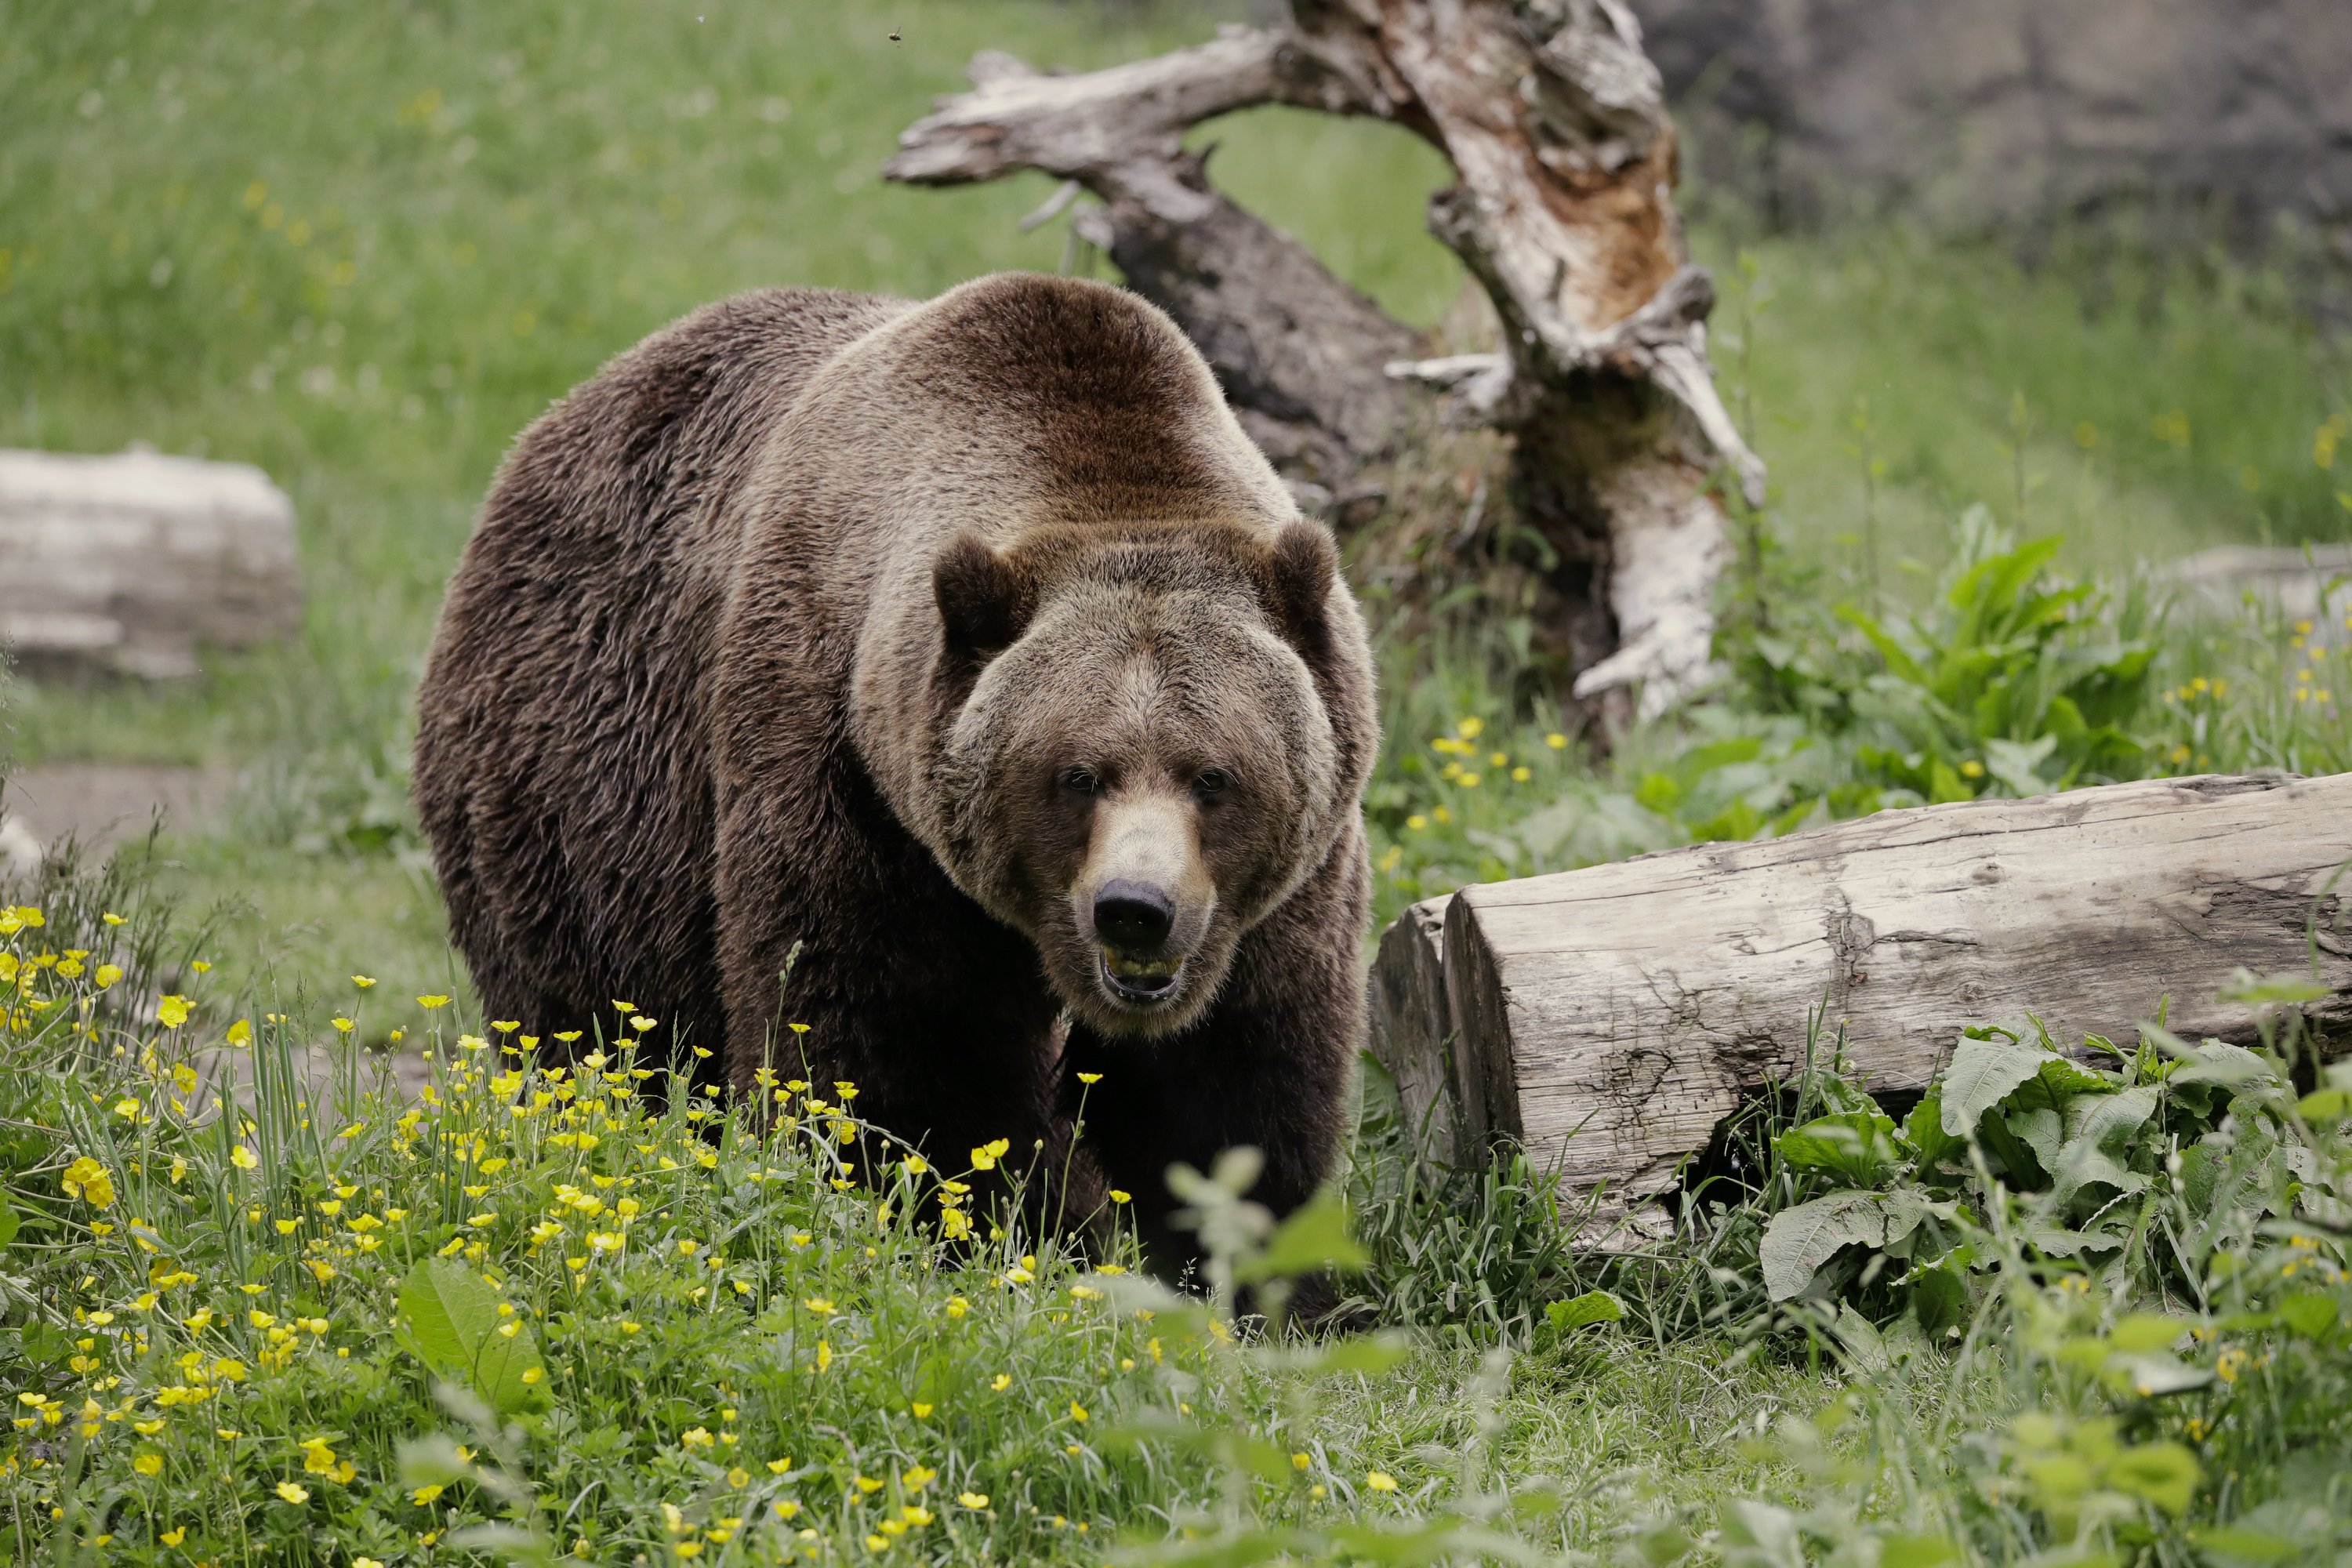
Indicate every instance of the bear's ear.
{"type": "Point", "coordinates": [986, 598]}
{"type": "Point", "coordinates": [1295, 577]}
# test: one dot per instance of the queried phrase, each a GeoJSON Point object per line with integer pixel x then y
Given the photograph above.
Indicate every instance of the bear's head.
{"type": "Point", "coordinates": [1148, 736]}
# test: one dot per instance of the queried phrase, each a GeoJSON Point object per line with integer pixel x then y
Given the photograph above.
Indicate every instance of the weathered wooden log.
{"type": "Point", "coordinates": [1556, 125]}
{"type": "Point", "coordinates": [1608, 1019]}
{"type": "Point", "coordinates": [130, 564]}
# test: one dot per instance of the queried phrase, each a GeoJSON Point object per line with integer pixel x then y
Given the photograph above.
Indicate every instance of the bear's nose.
{"type": "Point", "coordinates": [1133, 916]}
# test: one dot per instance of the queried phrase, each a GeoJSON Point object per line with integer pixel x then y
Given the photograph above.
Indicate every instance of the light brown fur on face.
{"type": "Point", "coordinates": [767, 686]}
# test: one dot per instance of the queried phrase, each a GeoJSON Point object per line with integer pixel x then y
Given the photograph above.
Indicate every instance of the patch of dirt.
{"type": "Point", "coordinates": [103, 805]}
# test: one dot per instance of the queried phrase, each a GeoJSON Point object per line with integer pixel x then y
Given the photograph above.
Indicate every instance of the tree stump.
{"type": "Point", "coordinates": [132, 564]}
{"type": "Point", "coordinates": [1608, 1019]}
{"type": "Point", "coordinates": [1564, 212]}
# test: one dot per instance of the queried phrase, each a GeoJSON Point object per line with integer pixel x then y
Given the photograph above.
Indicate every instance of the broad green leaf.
{"type": "Point", "coordinates": [1857, 1147]}
{"type": "Point", "coordinates": [8, 1222]}
{"type": "Point", "coordinates": [2088, 1166]}
{"type": "Point", "coordinates": [2166, 1474]}
{"type": "Point", "coordinates": [454, 1327]}
{"type": "Point", "coordinates": [2245, 1545]}
{"type": "Point", "coordinates": [2216, 1061]}
{"type": "Point", "coordinates": [2137, 1333]}
{"type": "Point", "coordinates": [2039, 1130]}
{"type": "Point", "coordinates": [2103, 1119]}
{"type": "Point", "coordinates": [2056, 1241]}
{"type": "Point", "coordinates": [2063, 1079]}
{"type": "Point", "coordinates": [1904, 1208]}
{"type": "Point", "coordinates": [1914, 1552]}
{"type": "Point", "coordinates": [2019, 767]}
{"type": "Point", "coordinates": [1859, 1342]}
{"type": "Point", "coordinates": [1798, 1240]}
{"type": "Point", "coordinates": [1981, 1075]}
{"type": "Point", "coordinates": [2325, 1105]}
{"type": "Point", "coordinates": [2308, 1313]}
{"type": "Point", "coordinates": [1583, 1311]}
{"type": "Point", "coordinates": [1924, 1129]}
{"type": "Point", "coordinates": [1313, 1238]}
{"type": "Point", "coordinates": [1940, 1299]}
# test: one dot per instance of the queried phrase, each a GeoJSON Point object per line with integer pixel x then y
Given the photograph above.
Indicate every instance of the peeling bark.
{"type": "Point", "coordinates": [1556, 125]}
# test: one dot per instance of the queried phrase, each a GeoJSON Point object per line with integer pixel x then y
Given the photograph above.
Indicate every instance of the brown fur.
{"type": "Point", "coordinates": [788, 629]}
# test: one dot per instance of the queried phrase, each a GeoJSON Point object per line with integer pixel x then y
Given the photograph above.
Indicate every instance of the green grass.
{"type": "Point", "coordinates": [363, 246]}
{"type": "Point", "coordinates": [534, 1315]}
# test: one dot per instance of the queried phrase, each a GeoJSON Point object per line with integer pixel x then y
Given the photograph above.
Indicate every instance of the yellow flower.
{"type": "Point", "coordinates": [240, 1033]}
{"type": "Point", "coordinates": [150, 1464]}
{"type": "Point", "coordinates": [819, 1305]}
{"type": "Point", "coordinates": [1468, 728]}
{"type": "Point", "coordinates": [1078, 1411]}
{"type": "Point", "coordinates": [1381, 1481]}
{"type": "Point", "coordinates": [423, 1496]}
{"type": "Point", "coordinates": [1300, 1461]}
{"type": "Point", "coordinates": [430, 1003]}
{"type": "Point", "coordinates": [1522, 774]}
{"type": "Point", "coordinates": [1556, 740]}
{"type": "Point", "coordinates": [173, 1011]}
{"type": "Point", "coordinates": [1000, 1382]}
{"type": "Point", "coordinates": [362, 981]}
{"type": "Point", "coordinates": [292, 1493]}
{"type": "Point", "coordinates": [917, 1477]}
{"type": "Point", "coordinates": [778, 1466]}
{"type": "Point", "coordinates": [1090, 1078]}
{"type": "Point", "coordinates": [108, 974]}
{"type": "Point", "coordinates": [1416, 822]}
{"type": "Point", "coordinates": [739, 1476]}
{"type": "Point", "coordinates": [175, 1536]}
{"type": "Point", "coordinates": [972, 1500]}
{"type": "Point", "coordinates": [342, 1025]}
{"type": "Point", "coordinates": [923, 1411]}
{"type": "Point", "coordinates": [86, 1178]}
{"type": "Point", "coordinates": [1468, 781]}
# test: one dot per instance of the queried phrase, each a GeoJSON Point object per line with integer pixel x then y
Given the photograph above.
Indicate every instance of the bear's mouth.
{"type": "Point", "coordinates": [1133, 979]}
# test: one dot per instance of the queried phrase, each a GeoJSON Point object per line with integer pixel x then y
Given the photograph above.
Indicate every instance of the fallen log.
{"type": "Point", "coordinates": [1606, 1020]}
{"type": "Point", "coordinates": [133, 564]}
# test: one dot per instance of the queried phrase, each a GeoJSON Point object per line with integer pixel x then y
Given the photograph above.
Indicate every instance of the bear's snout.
{"type": "Point", "coordinates": [1134, 917]}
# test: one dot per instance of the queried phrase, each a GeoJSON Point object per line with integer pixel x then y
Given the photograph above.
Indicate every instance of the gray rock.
{"type": "Point", "coordinates": [132, 564]}
{"type": "Point", "coordinates": [1995, 111]}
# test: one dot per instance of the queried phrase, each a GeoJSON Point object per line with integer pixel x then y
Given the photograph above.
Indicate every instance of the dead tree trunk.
{"type": "Point", "coordinates": [1556, 126]}
{"type": "Point", "coordinates": [1608, 1019]}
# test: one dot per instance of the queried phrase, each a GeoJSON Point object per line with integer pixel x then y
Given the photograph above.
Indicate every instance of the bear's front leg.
{"type": "Point", "coordinates": [1269, 1066]}
{"type": "Point", "coordinates": [834, 919]}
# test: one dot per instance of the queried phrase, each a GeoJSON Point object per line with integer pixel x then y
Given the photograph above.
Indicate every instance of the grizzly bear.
{"type": "Point", "coordinates": [953, 679]}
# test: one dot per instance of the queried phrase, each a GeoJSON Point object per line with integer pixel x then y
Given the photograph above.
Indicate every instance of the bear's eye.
{"type": "Point", "coordinates": [1210, 782]}
{"type": "Point", "coordinates": [1081, 781]}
